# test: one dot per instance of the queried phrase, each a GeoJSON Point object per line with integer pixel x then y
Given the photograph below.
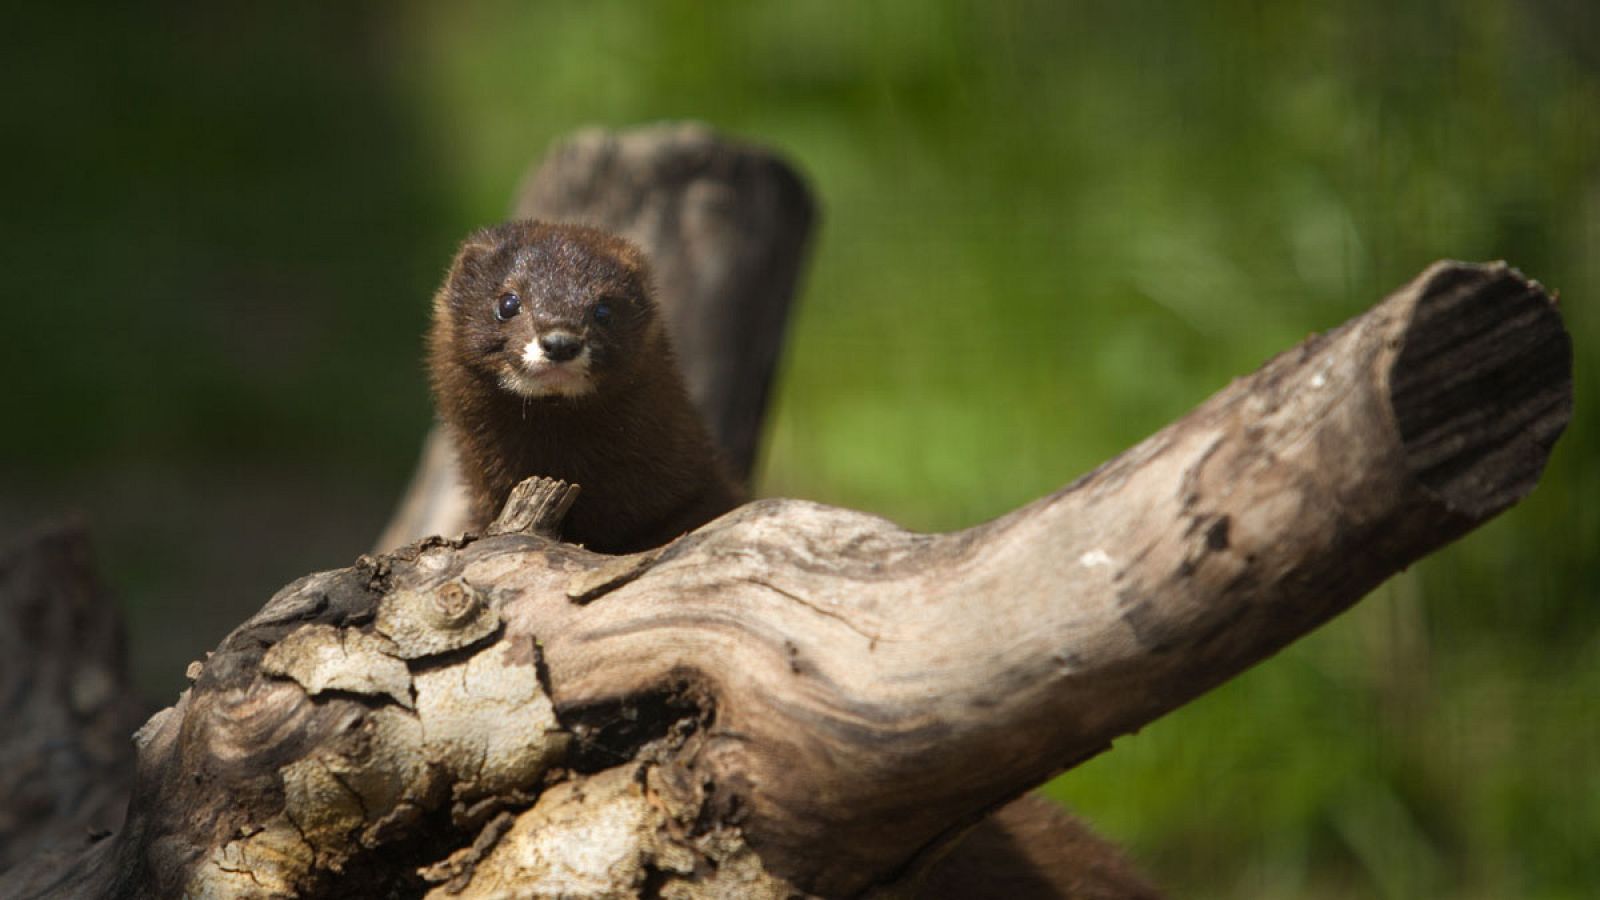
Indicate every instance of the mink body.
{"type": "Point", "coordinates": [548, 357]}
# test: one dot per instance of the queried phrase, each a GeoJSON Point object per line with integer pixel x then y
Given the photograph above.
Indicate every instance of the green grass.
{"type": "Point", "coordinates": [1048, 230]}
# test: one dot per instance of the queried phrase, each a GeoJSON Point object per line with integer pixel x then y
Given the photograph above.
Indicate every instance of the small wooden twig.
{"type": "Point", "coordinates": [536, 507]}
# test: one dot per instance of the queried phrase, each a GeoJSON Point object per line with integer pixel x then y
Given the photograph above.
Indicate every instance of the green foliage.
{"type": "Point", "coordinates": [1048, 229]}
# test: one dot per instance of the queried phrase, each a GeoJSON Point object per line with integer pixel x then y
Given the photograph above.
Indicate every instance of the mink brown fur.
{"type": "Point", "coordinates": [548, 357]}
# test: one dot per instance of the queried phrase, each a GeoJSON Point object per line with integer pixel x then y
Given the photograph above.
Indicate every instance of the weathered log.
{"type": "Point", "coordinates": [921, 678]}
{"type": "Point", "coordinates": [725, 226]}
{"type": "Point", "coordinates": [798, 697]}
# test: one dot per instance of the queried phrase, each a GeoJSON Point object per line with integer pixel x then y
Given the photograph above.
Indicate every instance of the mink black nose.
{"type": "Point", "coordinates": [560, 346]}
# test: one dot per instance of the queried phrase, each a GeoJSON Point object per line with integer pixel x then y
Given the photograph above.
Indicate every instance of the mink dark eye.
{"type": "Point", "coordinates": [602, 313]}
{"type": "Point", "coordinates": [507, 306]}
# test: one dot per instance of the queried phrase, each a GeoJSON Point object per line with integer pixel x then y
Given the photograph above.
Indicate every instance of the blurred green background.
{"type": "Point", "coordinates": [1049, 229]}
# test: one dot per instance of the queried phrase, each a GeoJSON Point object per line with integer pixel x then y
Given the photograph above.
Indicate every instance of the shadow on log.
{"type": "Point", "coordinates": [799, 698]}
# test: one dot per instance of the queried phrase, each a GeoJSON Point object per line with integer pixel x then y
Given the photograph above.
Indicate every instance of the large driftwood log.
{"type": "Point", "coordinates": [797, 697]}
{"type": "Point", "coordinates": [725, 226]}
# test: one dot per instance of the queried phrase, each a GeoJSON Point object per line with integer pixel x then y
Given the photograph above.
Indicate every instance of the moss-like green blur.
{"type": "Point", "coordinates": [1049, 228]}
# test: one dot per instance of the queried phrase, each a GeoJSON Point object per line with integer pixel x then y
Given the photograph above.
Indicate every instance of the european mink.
{"type": "Point", "coordinates": [548, 357]}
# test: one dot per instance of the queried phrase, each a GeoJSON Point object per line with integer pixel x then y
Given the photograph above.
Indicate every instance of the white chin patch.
{"type": "Point", "coordinates": [539, 376]}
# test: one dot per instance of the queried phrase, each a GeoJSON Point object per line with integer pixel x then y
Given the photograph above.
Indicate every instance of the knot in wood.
{"type": "Point", "coordinates": [426, 623]}
{"type": "Point", "coordinates": [454, 606]}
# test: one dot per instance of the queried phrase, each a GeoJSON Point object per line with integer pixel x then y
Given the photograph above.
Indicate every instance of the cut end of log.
{"type": "Point", "coordinates": [1482, 385]}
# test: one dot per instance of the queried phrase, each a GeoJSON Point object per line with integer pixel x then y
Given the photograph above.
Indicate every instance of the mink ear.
{"type": "Point", "coordinates": [472, 260]}
{"type": "Point", "coordinates": [628, 253]}
{"type": "Point", "coordinates": [637, 264]}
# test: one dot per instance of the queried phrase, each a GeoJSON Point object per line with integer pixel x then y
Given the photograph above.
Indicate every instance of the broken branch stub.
{"type": "Point", "coordinates": [798, 697]}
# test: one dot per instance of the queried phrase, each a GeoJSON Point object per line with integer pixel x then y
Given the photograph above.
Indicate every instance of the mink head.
{"type": "Point", "coordinates": [546, 311]}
